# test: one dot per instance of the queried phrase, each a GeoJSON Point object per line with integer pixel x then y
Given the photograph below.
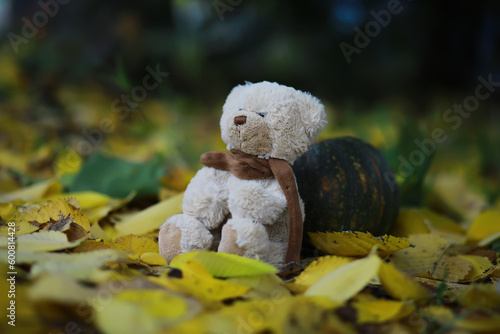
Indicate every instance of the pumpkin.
{"type": "Point", "coordinates": [346, 184]}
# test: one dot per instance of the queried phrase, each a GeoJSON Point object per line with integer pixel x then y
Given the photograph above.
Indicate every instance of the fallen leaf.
{"type": "Point", "coordinates": [33, 192]}
{"type": "Point", "coordinates": [356, 243]}
{"type": "Point", "coordinates": [197, 282]}
{"type": "Point", "coordinates": [422, 258]}
{"type": "Point", "coordinates": [479, 265]}
{"type": "Point", "coordinates": [56, 214]}
{"type": "Point", "coordinates": [451, 268]}
{"type": "Point", "coordinates": [95, 205]}
{"type": "Point", "coordinates": [484, 226]}
{"type": "Point", "coordinates": [153, 259]}
{"type": "Point", "coordinates": [60, 289]}
{"type": "Point", "coordinates": [262, 286]}
{"type": "Point", "coordinates": [347, 280]}
{"type": "Point", "coordinates": [118, 178]}
{"type": "Point", "coordinates": [315, 271]}
{"type": "Point", "coordinates": [151, 218]}
{"type": "Point", "coordinates": [42, 241]}
{"type": "Point", "coordinates": [479, 296]}
{"type": "Point", "coordinates": [83, 266]}
{"type": "Point", "coordinates": [220, 264]}
{"type": "Point", "coordinates": [143, 311]}
{"type": "Point", "coordinates": [371, 310]}
{"type": "Point", "coordinates": [410, 221]}
{"type": "Point", "coordinates": [399, 285]}
{"type": "Point", "coordinates": [294, 315]}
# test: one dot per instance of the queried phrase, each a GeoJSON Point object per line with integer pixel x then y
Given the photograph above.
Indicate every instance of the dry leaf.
{"type": "Point", "coordinates": [371, 310]}
{"type": "Point", "coordinates": [356, 243]}
{"type": "Point", "coordinates": [59, 213]}
{"type": "Point", "coordinates": [451, 268]}
{"type": "Point", "coordinates": [347, 280]}
{"type": "Point", "coordinates": [422, 258]}
{"type": "Point", "coordinates": [315, 271]}
{"type": "Point", "coordinates": [399, 285]}
{"type": "Point", "coordinates": [479, 265]}
{"type": "Point", "coordinates": [197, 282]}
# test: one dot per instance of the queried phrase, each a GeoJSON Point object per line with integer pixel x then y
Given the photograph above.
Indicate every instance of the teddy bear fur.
{"type": "Point", "coordinates": [247, 217]}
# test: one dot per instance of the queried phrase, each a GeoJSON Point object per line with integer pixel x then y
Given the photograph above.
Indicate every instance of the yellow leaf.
{"type": "Point", "coordinates": [421, 258]}
{"type": "Point", "coordinates": [379, 311]}
{"type": "Point", "coordinates": [441, 314]}
{"type": "Point", "coordinates": [224, 265]}
{"type": "Point", "coordinates": [67, 162]}
{"type": "Point", "coordinates": [356, 243]}
{"type": "Point", "coordinates": [60, 211]}
{"type": "Point", "coordinates": [347, 280]}
{"type": "Point", "coordinates": [7, 210]}
{"type": "Point", "coordinates": [457, 196]}
{"type": "Point", "coordinates": [95, 205]}
{"type": "Point", "coordinates": [399, 285]}
{"type": "Point", "coordinates": [151, 218]}
{"type": "Point", "coordinates": [480, 323]}
{"type": "Point", "coordinates": [196, 281]}
{"type": "Point", "coordinates": [153, 259]}
{"type": "Point", "coordinates": [60, 289]}
{"type": "Point", "coordinates": [410, 221]}
{"type": "Point", "coordinates": [479, 296]}
{"type": "Point", "coordinates": [441, 222]}
{"type": "Point", "coordinates": [33, 192]}
{"type": "Point", "coordinates": [315, 271]}
{"type": "Point", "coordinates": [42, 241]}
{"type": "Point", "coordinates": [262, 286]}
{"type": "Point", "coordinates": [480, 265]}
{"type": "Point", "coordinates": [97, 232]}
{"type": "Point", "coordinates": [142, 311]}
{"type": "Point", "coordinates": [283, 314]}
{"type": "Point", "coordinates": [451, 268]}
{"type": "Point", "coordinates": [485, 225]}
{"type": "Point", "coordinates": [141, 247]}
{"type": "Point", "coordinates": [21, 228]}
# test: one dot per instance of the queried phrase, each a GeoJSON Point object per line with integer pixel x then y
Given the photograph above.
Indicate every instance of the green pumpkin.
{"type": "Point", "coordinates": [346, 185]}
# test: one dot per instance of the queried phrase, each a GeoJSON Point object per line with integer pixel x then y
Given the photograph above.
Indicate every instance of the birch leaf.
{"type": "Point", "coordinates": [356, 243]}
{"type": "Point", "coordinates": [344, 282]}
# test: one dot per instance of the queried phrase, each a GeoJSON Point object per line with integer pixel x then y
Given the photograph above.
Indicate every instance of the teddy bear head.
{"type": "Point", "coordinates": [270, 120]}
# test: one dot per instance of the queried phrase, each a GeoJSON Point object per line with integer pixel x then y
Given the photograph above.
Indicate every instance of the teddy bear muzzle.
{"type": "Point", "coordinates": [240, 120]}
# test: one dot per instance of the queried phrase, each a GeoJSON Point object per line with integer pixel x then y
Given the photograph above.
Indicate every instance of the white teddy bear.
{"type": "Point", "coordinates": [247, 203]}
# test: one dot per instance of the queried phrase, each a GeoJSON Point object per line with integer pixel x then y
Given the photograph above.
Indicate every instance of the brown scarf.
{"type": "Point", "coordinates": [249, 167]}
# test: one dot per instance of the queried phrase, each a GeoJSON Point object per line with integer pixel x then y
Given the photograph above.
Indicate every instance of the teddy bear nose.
{"type": "Point", "coordinates": [240, 120]}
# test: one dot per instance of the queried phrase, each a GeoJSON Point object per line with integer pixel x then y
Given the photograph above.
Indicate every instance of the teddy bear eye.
{"type": "Point", "coordinates": [261, 114]}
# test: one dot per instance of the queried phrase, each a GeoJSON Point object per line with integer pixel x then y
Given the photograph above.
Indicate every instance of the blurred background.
{"type": "Point", "coordinates": [74, 87]}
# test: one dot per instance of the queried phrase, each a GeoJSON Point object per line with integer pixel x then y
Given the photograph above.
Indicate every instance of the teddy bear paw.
{"type": "Point", "coordinates": [181, 234]}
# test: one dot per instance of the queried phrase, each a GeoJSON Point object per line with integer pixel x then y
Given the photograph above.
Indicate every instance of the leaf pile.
{"type": "Point", "coordinates": [104, 274]}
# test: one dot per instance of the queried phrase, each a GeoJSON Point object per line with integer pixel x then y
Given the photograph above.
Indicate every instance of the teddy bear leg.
{"type": "Point", "coordinates": [182, 233]}
{"type": "Point", "coordinates": [243, 236]}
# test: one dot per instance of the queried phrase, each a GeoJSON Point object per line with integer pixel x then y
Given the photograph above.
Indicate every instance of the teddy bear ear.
{"type": "Point", "coordinates": [312, 113]}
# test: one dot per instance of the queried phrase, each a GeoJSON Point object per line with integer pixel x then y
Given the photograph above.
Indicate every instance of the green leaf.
{"type": "Point", "coordinates": [224, 264]}
{"type": "Point", "coordinates": [118, 178]}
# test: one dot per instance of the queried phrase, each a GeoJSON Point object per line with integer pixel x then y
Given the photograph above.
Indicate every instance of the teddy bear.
{"type": "Point", "coordinates": [246, 202]}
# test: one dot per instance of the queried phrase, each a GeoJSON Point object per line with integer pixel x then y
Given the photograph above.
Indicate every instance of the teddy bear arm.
{"type": "Point", "coordinates": [206, 197]}
{"type": "Point", "coordinates": [263, 205]}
